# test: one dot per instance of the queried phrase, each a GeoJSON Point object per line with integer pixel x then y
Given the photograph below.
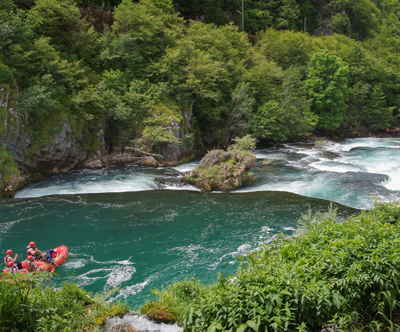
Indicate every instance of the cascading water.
{"type": "Point", "coordinates": [349, 173]}
{"type": "Point", "coordinates": [124, 229]}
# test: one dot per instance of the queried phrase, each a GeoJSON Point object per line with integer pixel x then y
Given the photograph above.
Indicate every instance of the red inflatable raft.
{"type": "Point", "coordinates": [57, 258]}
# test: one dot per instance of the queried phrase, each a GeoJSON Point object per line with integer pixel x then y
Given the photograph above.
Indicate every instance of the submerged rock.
{"type": "Point", "coordinates": [223, 171]}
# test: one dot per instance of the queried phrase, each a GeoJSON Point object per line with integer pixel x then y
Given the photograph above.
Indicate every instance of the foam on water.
{"type": "Point", "coordinates": [132, 290]}
{"type": "Point", "coordinates": [369, 142]}
{"type": "Point", "coordinates": [181, 187]}
{"type": "Point", "coordinates": [300, 168]}
{"type": "Point", "coordinates": [91, 182]}
{"type": "Point", "coordinates": [118, 275]}
{"type": "Point", "coordinates": [74, 264]}
{"type": "Point", "coordinates": [140, 323]}
{"type": "Point", "coordinates": [332, 166]}
{"type": "Point", "coordinates": [312, 174]}
{"type": "Point", "coordinates": [186, 167]}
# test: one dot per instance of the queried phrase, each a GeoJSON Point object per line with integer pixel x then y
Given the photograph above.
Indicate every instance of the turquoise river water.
{"type": "Point", "coordinates": [126, 230]}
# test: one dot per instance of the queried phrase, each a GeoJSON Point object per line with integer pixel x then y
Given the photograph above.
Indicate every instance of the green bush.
{"type": "Point", "coordinates": [174, 299]}
{"type": "Point", "coordinates": [244, 143]}
{"type": "Point", "coordinates": [29, 302]}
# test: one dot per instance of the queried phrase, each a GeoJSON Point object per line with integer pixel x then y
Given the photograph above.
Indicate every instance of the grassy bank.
{"type": "Point", "coordinates": [344, 274]}
{"type": "Point", "coordinates": [30, 303]}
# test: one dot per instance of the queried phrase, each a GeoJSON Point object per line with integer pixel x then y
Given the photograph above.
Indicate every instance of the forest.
{"type": "Point", "coordinates": [299, 68]}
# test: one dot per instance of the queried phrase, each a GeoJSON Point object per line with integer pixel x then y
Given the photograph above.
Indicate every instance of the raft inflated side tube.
{"type": "Point", "coordinates": [60, 254]}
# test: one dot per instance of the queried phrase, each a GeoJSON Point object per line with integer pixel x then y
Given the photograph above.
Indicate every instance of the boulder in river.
{"type": "Point", "coordinates": [223, 171]}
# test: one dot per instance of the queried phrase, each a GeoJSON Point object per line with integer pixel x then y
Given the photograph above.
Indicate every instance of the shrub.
{"type": "Point", "coordinates": [29, 302]}
{"type": "Point", "coordinates": [171, 302]}
{"type": "Point", "coordinates": [244, 143]}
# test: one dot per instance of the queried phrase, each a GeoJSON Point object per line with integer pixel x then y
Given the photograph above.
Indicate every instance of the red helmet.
{"type": "Point", "coordinates": [9, 252]}
{"type": "Point", "coordinates": [29, 258]}
{"type": "Point", "coordinates": [10, 264]}
{"type": "Point", "coordinates": [32, 244]}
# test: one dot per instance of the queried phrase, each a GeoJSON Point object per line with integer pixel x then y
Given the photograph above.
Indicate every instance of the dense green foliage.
{"type": "Point", "coordinates": [331, 272]}
{"type": "Point", "coordinates": [326, 84]}
{"type": "Point", "coordinates": [30, 303]}
{"type": "Point", "coordinates": [288, 84]}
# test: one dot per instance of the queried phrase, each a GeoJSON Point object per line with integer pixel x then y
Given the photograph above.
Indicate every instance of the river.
{"type": "Point", "coordinates": [126, 230]}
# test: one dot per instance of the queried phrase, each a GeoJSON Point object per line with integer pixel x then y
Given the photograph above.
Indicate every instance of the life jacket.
{"type": "Point", "coordinates": [6, 259]}
{"type": "Point", "coordinates": [27, 252]}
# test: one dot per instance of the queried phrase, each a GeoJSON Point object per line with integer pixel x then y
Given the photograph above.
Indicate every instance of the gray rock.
{"type": "Point", "coordinates": [65, 151]}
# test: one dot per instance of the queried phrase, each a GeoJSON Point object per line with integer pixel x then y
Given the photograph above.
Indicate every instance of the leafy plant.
{"type": "Point", "coordinates": [243, 143]}
{"type": "Point", "coordinates": [30, 303]}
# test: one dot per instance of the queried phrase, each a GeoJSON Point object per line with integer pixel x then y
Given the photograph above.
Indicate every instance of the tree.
{"type": "Point", "coordinates": [287, 48]}
{"type": "Point", "coordinates": [205, 67]}
{"type": "Point", "coordinates": [39, 99]}
{"type": "Point", "coordinates": [269, 122]}
{"type": "Point", "coordinates": [376, 113]}
{"type": "Point", "coordinates": [128, 100]}
{"type": "Point", "coordinates": [299, 118]}
{"type": "Point", "coordinates": [141, 34]}
{"type": "Point", "coordinates": [60, 20]}
{"type": "Point", "coordinates": [240, 112]}
{"type": "Point", "coordinates": [288, 116]}
{"type": "Point", "coordinates": [326, 86]}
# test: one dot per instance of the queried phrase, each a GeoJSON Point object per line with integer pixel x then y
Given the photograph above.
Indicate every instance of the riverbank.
{"type": "Point", "coordinates": [331, 273]}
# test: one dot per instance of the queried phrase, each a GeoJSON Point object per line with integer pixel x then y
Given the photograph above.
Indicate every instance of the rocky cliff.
{"type": "Point", "coordinates": [22, 161]}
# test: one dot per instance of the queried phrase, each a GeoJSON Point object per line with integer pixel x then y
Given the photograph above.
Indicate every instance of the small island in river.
{"type": "Point", "coordinates": [223, 171]}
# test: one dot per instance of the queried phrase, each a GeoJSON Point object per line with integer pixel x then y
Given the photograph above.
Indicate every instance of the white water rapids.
{"type": "Point", "coordinates": [351, 173]}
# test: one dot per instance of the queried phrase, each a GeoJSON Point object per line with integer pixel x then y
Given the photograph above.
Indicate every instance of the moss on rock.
{"type": "Point", "coordinates": [158, 314]}
{"type": "Point", "coordinates": [223, 171]}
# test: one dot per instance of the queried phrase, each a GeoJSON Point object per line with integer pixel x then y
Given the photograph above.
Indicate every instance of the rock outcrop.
{"type": "Point", "coordinates": [222, 171]}
{"type": "Point", "coordinates": [68, 148]}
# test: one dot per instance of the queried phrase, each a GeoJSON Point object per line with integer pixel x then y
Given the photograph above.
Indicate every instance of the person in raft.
{"type": "Point", "coordinates": [30, 264]}
{"type": "Point", "coordinates": [8, 259]}
{"type": "Point", "coordinates": [13, 267]}
{"type": "Point", "coordinates": [36, 254]}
